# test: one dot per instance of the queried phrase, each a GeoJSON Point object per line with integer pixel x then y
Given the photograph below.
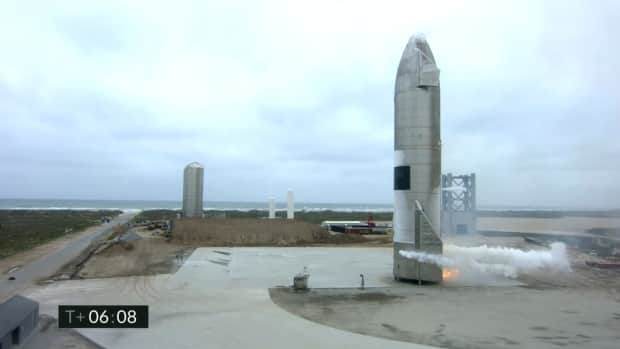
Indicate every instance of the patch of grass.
{"type": "Point", "coordinates": [155, 215]}
{"type": "Point", "coordinates": [328, 215]}
{"type": "Point", "coordinates": [304, 216]}
{"type": "Point", "coordinates": [320, 216]}
{"type": "Point", "coordinates": [21, 230]}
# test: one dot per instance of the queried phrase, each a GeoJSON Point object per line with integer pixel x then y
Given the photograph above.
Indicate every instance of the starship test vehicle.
{"type": "Point", "coordinates": [417, 162]}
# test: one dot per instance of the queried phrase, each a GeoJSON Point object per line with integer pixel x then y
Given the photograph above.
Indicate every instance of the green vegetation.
{"type": "Point", "coordinates": [319, 216]}
{"type": "Point", "coordinates": [21, 230]}
{"type": "Point", "coordinates": [305, 216]}
{"type": "Point", "coordinates": [155, 215]}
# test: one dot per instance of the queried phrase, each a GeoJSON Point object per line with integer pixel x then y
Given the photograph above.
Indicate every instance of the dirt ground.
{"type": "Point", "coordinates": [138, 257]}
{"type": "Point", "coordinates": [257, 232]}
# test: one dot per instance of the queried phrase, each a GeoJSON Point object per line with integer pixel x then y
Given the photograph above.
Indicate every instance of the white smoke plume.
{"type": "Point", "coordinates": [505, 261]}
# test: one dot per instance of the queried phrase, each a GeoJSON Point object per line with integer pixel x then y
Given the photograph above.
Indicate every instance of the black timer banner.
{"type": "Point", "coordinates": [103, 316]}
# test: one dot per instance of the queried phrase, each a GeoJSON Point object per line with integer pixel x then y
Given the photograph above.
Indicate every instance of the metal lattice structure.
{"type": "Point", "coordinates": [458, 204]}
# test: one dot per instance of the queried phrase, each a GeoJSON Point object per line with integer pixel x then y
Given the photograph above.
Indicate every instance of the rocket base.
{"type": "Point", "coordinates": [410, 269]}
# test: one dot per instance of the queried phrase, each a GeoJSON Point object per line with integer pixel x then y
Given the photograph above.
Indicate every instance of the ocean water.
{"type": "Point", "coordinates": [156, 204]}
{"type": "Point", "coordinates": [50, 204]}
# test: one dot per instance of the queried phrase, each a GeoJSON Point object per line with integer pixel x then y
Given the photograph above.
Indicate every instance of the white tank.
{"type": "Point", "coordinates": [290, 209]}
{"type": "Point", "coordinates": [272, 208]}
{"type": "Point", "coordinates": [193, 177]}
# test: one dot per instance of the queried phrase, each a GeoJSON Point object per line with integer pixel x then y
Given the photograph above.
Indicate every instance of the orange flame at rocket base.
{"type": "Point", "coordinates": [449, 273]}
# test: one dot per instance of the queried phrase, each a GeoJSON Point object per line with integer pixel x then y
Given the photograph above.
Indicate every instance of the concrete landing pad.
{"type": "Point", "coordinates": [220, 299]}
{"type": "Point", "coordinates": [265, 267]}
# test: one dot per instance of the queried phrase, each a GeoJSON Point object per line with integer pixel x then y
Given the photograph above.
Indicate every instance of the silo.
{"type": "Point", "coordinates": [290, 209]}
{"type": "Point", "coordinates": [192, 190]}
{"type": "Point", "coordinates": [272, 208]}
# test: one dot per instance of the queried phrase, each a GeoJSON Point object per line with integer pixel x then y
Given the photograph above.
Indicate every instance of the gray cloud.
{"type": "Point", "coordinates": [111, 100]}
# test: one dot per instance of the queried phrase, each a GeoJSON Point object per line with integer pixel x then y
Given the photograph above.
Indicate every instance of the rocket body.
{"type": "Point", "coordinates": [417, 161]}
{"type": "Point", "coordinates": [417, 141]}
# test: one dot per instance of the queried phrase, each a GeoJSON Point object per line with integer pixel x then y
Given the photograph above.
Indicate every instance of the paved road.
{"type": "Point", "coordinates": [48, 265]}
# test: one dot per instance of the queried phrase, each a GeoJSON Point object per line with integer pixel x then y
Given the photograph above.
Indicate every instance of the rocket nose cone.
{"type": "Point", "coordinates": [420, 43]}
{"type": "Point", "coordinates": [417, 44]}
{"type": "Point", "coordinates": [417, 66]}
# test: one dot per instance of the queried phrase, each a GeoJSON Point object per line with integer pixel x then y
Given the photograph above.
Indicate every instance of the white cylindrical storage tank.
{"type": "Point", "coordinates": [193, 177]}
{"type": "Point", "coordinates": [272, 208]}
{"type": "Point", "coordinates": [290, 209]}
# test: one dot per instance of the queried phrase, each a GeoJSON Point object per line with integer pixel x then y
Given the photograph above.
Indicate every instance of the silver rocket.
{"type": "Point", "coordinates": [417, 161]}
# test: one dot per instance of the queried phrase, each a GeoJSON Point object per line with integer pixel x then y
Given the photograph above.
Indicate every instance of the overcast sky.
{"type": "Point", "coordinates": [111, 100]}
